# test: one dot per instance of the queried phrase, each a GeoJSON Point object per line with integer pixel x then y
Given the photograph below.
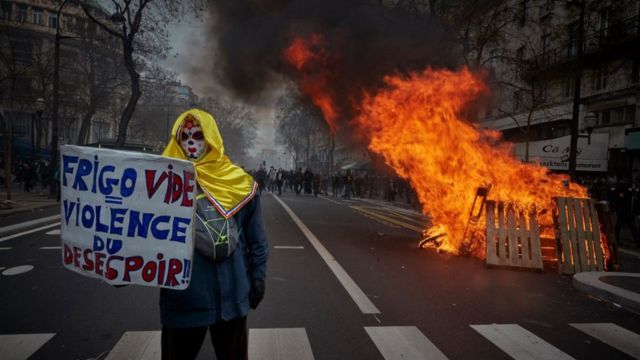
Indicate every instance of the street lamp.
{"type": "Point", "coordinates": [588, 123]}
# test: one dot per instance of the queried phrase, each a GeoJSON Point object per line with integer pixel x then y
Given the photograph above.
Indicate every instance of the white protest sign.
{"type": "Point", "coordinates": [127, 218]}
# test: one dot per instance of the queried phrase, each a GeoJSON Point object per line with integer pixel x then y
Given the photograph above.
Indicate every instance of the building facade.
{"type": "Point", "coordinates": [88, 57]}
{"type": "Point", "coordinates": [546, 49]}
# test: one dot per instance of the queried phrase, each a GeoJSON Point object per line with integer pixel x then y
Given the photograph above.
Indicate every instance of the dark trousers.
{"type": "Point", "coordinates": [229, 339]}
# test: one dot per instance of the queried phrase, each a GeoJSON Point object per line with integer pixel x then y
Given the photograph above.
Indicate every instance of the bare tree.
{"type": "Point", "coordinates": [297, 125]}
{"type": "Point", "coordinates": [143, 33]}
{"type": "Point", "coordinates": [99, 69]}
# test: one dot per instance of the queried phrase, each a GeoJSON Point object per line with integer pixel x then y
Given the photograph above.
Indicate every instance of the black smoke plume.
{"type": "Point", "coordinates": [367, 39]}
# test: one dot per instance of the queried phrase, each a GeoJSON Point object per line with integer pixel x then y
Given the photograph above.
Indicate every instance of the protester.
{"type": "Point", "coordinates": [220, 293]}
{"type": "Point", "coordinates": [261, 178]}
{"type": "Point", "coordinates": [348, 182]}
{"type": "Point", "coordinates": [280, 180]}
{"type": "Point", "coordinates": [308, 179]}
{"type": "Point", "coordinates": [298, 181]}
{"type": "Point", "coordinates": [316, 184]}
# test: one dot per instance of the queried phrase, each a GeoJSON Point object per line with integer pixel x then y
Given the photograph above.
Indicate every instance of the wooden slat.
{"type": "Point", "coordinates": [536, 249]}
{"type": "Point", "coordinates": [573, 234]}
{"type": "Point", "coordinates": [581, 236]}
{"type": "Point", "coordinates": [593, 235]}
{"type": "Point", "coordinates": [502, 235]}
{"type": "Point", "coordinates": [491, 233]}
{"type": "Point", "coordinates": [565, 261]}
{"type": "Point", "coordinates": [587, 242]}
{"type": "Point", "coordinates": [596, 230]}
{"type": "Point", "coordinates": [512, 243]}
{"type": "Point", "coordinates": [525, 258]}
{"type": "Point", "coordinates": [578, 235]}
{"type": "Point", "coordinates": [513, 237]}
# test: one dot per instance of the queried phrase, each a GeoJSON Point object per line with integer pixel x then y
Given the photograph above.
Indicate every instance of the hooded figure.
{"type": "Point", "coordinates": [195, 137]}
{"type": "Point", "coordinates": [220, 292]}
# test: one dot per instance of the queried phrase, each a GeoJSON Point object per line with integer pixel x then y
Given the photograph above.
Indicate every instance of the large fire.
{"type": "Point", "coordinates": [416, 123]}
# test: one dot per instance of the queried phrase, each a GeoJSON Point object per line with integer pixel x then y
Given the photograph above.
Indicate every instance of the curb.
{"type": "Point", "coordinates": [589, 282]}
{"type": "Point", "coordinates": [15, 228]}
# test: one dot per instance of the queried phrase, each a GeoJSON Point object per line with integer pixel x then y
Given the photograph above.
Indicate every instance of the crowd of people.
{"type": "Point", "coordinates": [623, 198]}
{"type": "Point", "coordinates": [28, 175]}
{"type": "Point", "coordinates": [342, 184]}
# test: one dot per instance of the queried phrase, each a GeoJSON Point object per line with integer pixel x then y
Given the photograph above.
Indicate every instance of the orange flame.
{"type": "Point", "coordinates": [415, 124]}
{"type": "Point", "coordinates": [310, 59]}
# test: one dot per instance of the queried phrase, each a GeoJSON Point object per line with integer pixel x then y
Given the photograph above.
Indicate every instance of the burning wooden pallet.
{"type": "Point", "coordinates": [513, 237]}
{"type": "Point", "coordinates": [577, 236]}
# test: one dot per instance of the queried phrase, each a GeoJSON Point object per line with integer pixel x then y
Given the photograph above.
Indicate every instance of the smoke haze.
{"type": "Point", "coordinates": [365, 39]}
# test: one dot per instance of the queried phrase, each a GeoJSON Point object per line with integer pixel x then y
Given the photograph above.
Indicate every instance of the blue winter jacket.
{"type": "Point", "coordinates": [219, 291]}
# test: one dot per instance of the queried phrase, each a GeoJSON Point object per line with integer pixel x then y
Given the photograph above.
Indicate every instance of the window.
{"type": "Point", "coordinates": [600, 79]}
{"type": "Point", "coordinates": [517, 100]}
{"type": "Point", "coordinates": [523, 15]}
{"type": "Point", "coordinates": [66, 22]}
{"type": "Point", "coordinates": [519, 59]}
{"type": "Point", "coordinates": [616, 116]}
{"type": "Point", "coordinates": [605, 22]}
{"type": "Point", "coordinates": [21, 13]}
{"type": "Point", "coordinates": [53, 19]}
{"type": "Point", "coordinates": [545, 49]}
{"type": "Point", "coordinates": [569, 84]}
{"type": "Point", "coordinates": [38, 16]}
{"type": "Point", "coordinates": [6, 10]}
{"type": "Point", "coordinates": [635, 71]}
{"type": "Point", "coordinates": [572, 48]}
{"type": "Point", "coordinates": [540, 92]}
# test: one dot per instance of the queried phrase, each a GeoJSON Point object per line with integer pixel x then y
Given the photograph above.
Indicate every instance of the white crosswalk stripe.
{"type": "Point", "coordinates": [21, 346]}
{"type": "Point", "coordinates": [403, 342]}
{"type": "Point", "coordinates": [519, 343]}
{"type": "Point", "coordinates": [137, 345]}
{"type": "Point", "coordinates": [279, 344]}
{"type": "Point", "coordinates": [613, 335]}
{"type": "Point", "coordinates": [393, 343]}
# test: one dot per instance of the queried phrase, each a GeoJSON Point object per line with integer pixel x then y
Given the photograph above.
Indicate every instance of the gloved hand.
{"type": "Point", "coordinates": [257, 292]}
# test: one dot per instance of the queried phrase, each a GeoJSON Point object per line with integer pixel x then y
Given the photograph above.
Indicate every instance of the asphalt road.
{"type": "Point", "coordinates": [425, 302]}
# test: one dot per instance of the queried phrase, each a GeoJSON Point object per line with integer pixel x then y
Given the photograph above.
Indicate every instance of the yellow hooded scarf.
{"type": "Point", "coordinates": [226, 185]}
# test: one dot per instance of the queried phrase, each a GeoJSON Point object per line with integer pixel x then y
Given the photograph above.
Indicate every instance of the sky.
{"type": "Point", "coordinates": [191, 33]}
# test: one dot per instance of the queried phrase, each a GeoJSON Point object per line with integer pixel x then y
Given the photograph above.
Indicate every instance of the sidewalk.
{"type": "Point", "coordinates": [22, 201]}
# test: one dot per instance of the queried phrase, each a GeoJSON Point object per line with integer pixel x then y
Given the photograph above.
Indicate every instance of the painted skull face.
{"type": "Point", "coordinates": [192, 139]}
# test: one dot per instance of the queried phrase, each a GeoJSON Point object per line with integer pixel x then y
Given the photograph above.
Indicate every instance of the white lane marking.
{"type": "Point", "coordinates": [284, 247]}
{"type": "Point", "coordinates": [358, 296]}
{"type": "Point", "coordinates": [403, 342]}
{"type": "Point", "coordinates": [519, 343]}
{"type": "Point", "coordinates": [28, 224]}
{"type": "Point", "coordinates": [21, 346]}
{"type": "Point", "coordinates": [137, 345]}
{"type": "Point", "coordinates": [54, 232]}
{"type": "Point", "coordinates": [616, 336]}
{"type": "Point", "coordinates": [17, 270]}
{"type": "Point", "coordinates": [279, 344]}
{"type": "Point", "coordinates": [5, 248]}
{"type": "Point", "coordinates": [51, 248]}
{"type": "Point", "coordinates": [28, 232]}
